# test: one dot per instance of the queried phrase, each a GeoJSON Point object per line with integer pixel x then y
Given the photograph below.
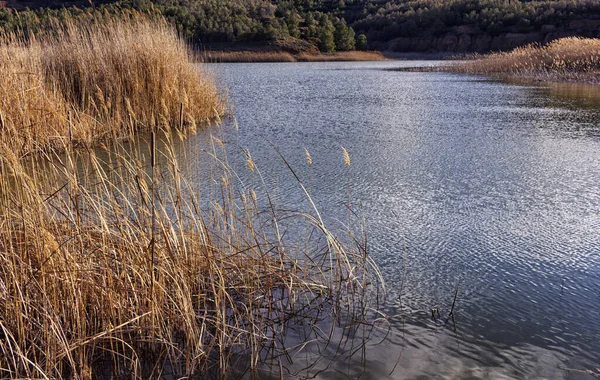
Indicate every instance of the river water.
{"type": "Point", "coordinates": [462, 180]}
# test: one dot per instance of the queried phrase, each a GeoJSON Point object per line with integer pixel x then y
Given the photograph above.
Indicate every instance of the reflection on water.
{"type": "Point", "coordinates": [458, 177]}
{"type": "Point", "coordinates": [576, 95]}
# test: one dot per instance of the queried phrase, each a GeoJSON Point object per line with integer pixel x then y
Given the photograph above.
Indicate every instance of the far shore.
{"type": "Point", "coordinates": [315, 56]}
{"type": "Point", "coordinates": [221, 56]}
{"type": "Point", "coordinates": [570, 59]}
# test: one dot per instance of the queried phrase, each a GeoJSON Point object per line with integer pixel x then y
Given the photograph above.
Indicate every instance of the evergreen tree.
{"type": "Point", "coordinates": [343, 36]}
{"type": "Point", "coordinates": [326, 38]}
{"type": "Point", "coordinates": [361, 42]}
{"type": "Point", "coordinates": [293, 24]}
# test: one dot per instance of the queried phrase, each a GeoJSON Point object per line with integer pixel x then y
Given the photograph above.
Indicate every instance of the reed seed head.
{"type": "Point", "coordinates": [308, 156]}
{"type": "Point", "coordinates": [346, 156]}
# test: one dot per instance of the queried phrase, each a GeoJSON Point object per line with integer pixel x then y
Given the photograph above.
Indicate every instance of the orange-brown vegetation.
{"type": "Point", "coordinates": [282, 56]}
{"type": "Point", "coordinates": [93, 80]}
{"type": "Point", "coordinates": [342, 56]}
{"type": "Point", "coordinates": [247, 56]}
{"type": "Point", "coordinates": [566, 59]}
{"type": "Point", "coordinates": [112, 262]}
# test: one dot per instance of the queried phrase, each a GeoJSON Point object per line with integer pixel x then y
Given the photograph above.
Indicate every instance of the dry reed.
{"type": "Point", "coordinates": [342, 56]}
{"type": "Point", "coordinates": [93, 79]}
{"type": "Point", "coordinates": [247, 56]}
{"type": "Point", "coordinates": [566, 59]}
{"type": "Point", "coordinates": [281, 56]}
{"type": "Point", "coordinates": [111, 262]}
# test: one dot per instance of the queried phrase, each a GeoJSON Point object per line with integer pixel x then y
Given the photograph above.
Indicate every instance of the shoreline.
{"type": "Point", "coordinates": [463, 67]}
{"type": "Point", "coordinates": [249, 56]}
{"type": "Point", "coordinates": [526, 78]}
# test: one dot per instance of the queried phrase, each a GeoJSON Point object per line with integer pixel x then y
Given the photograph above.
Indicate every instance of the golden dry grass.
{"type": "Point", "coordinates": [571, 59]}
{"type": "Point", "coordinates": [112, 262]}
{"type": "Point", "coordinates": [342, 56]}
{"type": "Point", "coordinates": [99, 79]}
{"type": "Point", "coordinates": [247, 56]}
{"type": "Point", "coordinates": [281, 56]}
{"type": "Point", "coordinates": [116, 264]}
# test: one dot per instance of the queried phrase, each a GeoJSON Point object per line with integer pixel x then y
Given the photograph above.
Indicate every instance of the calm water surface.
{"type": "Point", "coordinates": [459, 178]}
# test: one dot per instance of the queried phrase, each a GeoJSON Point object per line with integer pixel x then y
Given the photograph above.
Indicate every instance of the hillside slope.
{"type": "Point", "coordinates": [338, 25]}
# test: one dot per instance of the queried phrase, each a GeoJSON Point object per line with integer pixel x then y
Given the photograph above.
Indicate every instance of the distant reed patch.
{"type": "Point", "coordinates": [342, 56]}
{"type": "Point", "coordinates": [247, 56]}
{"type": "Point", "coordinates": [566, 59]}
{"type": "Point", "coordinates": [282, 56]}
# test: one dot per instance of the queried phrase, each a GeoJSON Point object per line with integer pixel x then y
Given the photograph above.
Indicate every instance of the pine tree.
{"type": "Point", "coordinates": [344, 36]}
{"type": "Point", "coordinates": [361, 42]}
{"type": "Point", "coordinates": [326, 39]}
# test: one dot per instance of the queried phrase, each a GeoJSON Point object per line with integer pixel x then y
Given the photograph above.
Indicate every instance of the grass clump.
{"type": "Point", "coordinates": [566, 59]}
{"type": "Point", "coordinates": [113, 262]}
{"type": "Point", "coordinates": [92, 79]}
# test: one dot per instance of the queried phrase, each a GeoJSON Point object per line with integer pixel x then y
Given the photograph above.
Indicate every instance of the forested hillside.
{"type": "Point", "coordinates": [338, 25]}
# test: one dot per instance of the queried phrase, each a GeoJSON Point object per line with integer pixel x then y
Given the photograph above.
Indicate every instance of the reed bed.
{"type": "Point", "coordinates": [342, 56]}
{"type": "Point", "coordinates": [92, 79]}
{"type": "Point", "coordinates": [566, 59]}
{"type": "Point", "coordinates": [247, 56]}
{"type": "Point", "coordinates": [281, 56]}
{"type": "Point", "coordinates": [112, 263]}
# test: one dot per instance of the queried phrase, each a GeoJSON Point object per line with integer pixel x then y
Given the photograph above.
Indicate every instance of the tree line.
{"type": "Point", "coordinates": [330, 25]}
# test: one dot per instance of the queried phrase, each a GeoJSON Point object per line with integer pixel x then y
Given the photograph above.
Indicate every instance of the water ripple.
{"type": "Point", "coordinates": [460, 178]}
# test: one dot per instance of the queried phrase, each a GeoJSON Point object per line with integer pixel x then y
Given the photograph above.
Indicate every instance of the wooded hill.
{"type": "Point", "coordinates": [338, 25]}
